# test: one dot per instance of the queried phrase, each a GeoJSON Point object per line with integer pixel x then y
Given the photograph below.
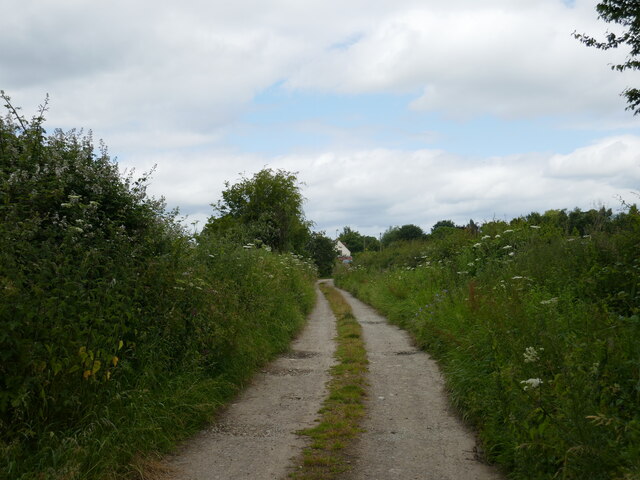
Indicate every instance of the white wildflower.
{"type": "Point", "coordinates": [476, 245]}
{"type": "Point", "coordinates": [511, 254]}
{"type": "Point", "coordinates": [497, 236]}
{"type": "Point", "coordinates": [549, 302]}
{"type": "Point", "coordinates": [531, 355]}
{"type": "Point", "coordinates": [534, 226]}
{"type": "Point", "coordinates": [507, 231]}
{"type": "Point", "coordinates": [485, 237]}
{"type": "Point", "coordinates": [531, 383]}
{"type": "Point", "coordinates": [507, 247]}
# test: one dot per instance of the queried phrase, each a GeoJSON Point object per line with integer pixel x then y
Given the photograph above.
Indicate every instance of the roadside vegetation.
{"type": "Point", "coordinates": [536, 326]}
{"type": "Point", "coordinates": [120, 333]}
{"type": "Point", "coordinates": [343, 408]}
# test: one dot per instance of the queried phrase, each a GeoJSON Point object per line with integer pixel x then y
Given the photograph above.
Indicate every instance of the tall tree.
{"type": "Point", "coordinates": [442, 224]}
{"type": "Point", "coordinates": [352, 239]}
{"type": "Point", "coordinates": [266, 208]}
{"type": "Point", "coordinates": [356, 242]}
{"type": "Point", "coordinates": [404, 233]}
{"type": "Point", "coordinates": [627, 14]}
{"type": "Point", "coordinates": [323, 252]}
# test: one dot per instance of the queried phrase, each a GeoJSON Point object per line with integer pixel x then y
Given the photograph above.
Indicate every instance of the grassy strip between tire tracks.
{"type": "Point", "coordinates": [343, 408]}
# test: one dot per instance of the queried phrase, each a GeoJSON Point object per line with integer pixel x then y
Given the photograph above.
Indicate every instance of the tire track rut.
{"type": "Point", "coordinates": [254, 438]}
{"type": "Point", "coordinates": [410, 430]}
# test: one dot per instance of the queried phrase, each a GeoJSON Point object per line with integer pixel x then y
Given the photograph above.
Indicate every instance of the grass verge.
{"type": "Point", "coordinates": [537, 334]}
{"type": "Point", "coordinates": [343, 408]}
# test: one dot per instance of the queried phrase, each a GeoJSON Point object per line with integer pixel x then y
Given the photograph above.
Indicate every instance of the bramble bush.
{"type": "Point", "coordinates": [537, 332]}
{"type": "Point", "coordinates": [119, 333]}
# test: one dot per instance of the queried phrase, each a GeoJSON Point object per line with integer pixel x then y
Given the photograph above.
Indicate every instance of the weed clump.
{"type": "Point", "coordinates": [536, 326]}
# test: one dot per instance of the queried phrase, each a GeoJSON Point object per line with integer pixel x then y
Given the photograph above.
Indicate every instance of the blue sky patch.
{"type": "Point", "coordinates": [282, 121]}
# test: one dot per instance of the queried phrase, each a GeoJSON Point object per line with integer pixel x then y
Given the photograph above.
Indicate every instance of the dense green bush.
{"type": "Point", "coordinates": [82, 253]}
{"type": "Point", "coordinates": [538, 334]}
{"type": "Point", "coordinates": [119, 334]}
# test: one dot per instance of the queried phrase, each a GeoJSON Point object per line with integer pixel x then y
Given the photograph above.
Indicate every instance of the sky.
{"type": "Point", "coordinates": [391, 113]}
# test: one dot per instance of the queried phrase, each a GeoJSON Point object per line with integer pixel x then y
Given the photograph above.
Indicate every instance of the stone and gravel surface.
{"type": "Point", "coordinates": [410, 431]}
{"type": "Point", "coordinates": [254, 438]}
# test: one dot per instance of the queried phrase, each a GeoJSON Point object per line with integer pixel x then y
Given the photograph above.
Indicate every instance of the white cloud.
{"type": "Point", "coordinates": [511, 59]}
{"type": "Point", "coordinates": [196, 65]}
{"type": "Point", "coordinates": [374, 189]}
{"type": "Point", "coordinates": [163, 83]}
{"type": "Point", "coordinates": [615, 158]}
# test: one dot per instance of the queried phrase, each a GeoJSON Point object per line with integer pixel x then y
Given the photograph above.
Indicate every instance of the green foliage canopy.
{"type": "Point", "coordinates": [266, 208]}
{"type": "Point", "coordinates": [404, 233]}
{"type": "Point", "coordinates": [118, 335]}
{"type": "Point", "coordinates": [81, 250]}
{"type": "Point", "coordinates": [442, 224]}
{"type": "Point", "coordinates": [323, 252]}
{"type": "Point", "coordinates": [627, 14]}
{"type": "Point", "coordinates": [356, 242]}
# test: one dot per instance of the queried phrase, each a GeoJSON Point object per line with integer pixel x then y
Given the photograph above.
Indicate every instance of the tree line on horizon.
{"type": "Point", "coordinates": [575, 222]}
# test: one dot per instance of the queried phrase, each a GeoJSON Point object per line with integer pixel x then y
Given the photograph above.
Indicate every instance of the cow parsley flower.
{"type": "Point", "coordinates": [550, 301]}
{"type": "Point", "coordinates": [531, 383]}
{"type": "Point", "coordinates": [531, 355]}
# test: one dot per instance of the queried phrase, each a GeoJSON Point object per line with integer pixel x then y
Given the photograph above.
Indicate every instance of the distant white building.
{"type": "Point", "coordinates": [344, 255]}
{"type": "Point", "coordinates": [342, 249]}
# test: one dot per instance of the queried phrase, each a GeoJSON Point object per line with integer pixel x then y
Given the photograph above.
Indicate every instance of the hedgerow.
{"type": "Point", "coordinates": [119, 332]}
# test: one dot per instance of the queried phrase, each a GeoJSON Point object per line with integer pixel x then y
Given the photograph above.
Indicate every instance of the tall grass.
{"type": "Point", "coordinates": [538, 335]}
{"type": "Point", "coordinates": [119, 333]}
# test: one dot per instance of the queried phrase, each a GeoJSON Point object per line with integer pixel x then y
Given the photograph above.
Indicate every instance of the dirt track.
{"type": "Point", "coordinates": [255, 437]}
{"type": "Point", "coordinates": [410, 431]}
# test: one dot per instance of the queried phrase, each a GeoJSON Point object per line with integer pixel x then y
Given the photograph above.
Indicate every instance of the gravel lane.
{"type": "Point", "coordinates": [410, 431]}
{"type": "Point", "coordinates": [255, 437]}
